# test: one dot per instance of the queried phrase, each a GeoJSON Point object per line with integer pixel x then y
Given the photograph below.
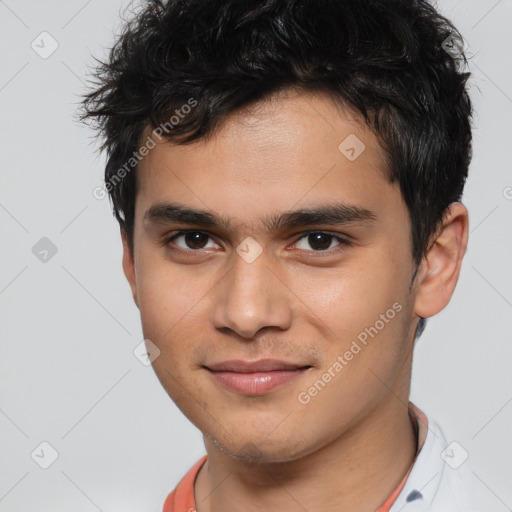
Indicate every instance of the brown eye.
{"type": "Point", "coordinates": [195, 240]}
{"type": "Point", "coordinates": [192, 240]}
{"type": "Point", "coordinates": [319, 241]}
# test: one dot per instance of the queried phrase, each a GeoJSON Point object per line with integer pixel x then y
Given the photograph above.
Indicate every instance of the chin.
{"type": "Point", "coordinates": [261, 451]}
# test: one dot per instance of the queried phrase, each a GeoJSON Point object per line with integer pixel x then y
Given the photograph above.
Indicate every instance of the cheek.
{"type": "Point", "coordinates": [174, 305]}
{"type": "Point", "coordinates": [347, 299]}
{"type": "Point", "coordinates": [167, 297]}
{"type": "Point", "coordinates": [364, 310]}
{"type": "Point", "coordinates": [356, 375]}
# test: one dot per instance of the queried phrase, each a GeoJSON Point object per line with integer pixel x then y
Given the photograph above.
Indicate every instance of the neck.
{"type": "Point", "coordinates": [356, 471]}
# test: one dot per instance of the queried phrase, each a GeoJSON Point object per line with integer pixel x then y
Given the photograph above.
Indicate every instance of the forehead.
{"type": "Point", "coordinates": [291, 150]}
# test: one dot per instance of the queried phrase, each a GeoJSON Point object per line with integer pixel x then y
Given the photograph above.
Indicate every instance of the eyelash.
{"type": "Point", "coordinates": [343, 242]}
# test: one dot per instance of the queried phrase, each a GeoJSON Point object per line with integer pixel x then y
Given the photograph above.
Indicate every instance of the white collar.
{"type": "Point", "coordinates": [440, 479]}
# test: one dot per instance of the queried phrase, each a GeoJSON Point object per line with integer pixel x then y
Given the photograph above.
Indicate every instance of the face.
{"type": "Point", "coordinates": [324, 294]}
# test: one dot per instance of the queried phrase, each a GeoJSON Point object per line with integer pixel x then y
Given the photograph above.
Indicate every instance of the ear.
{"type": "Point", "coordinates": [129, 266]}
{"type": "Point", "coordinates": [440, 267]}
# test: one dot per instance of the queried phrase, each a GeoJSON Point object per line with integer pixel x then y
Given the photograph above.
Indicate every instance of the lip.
{"type": "Point", "coordinates": [260, 365]}
{"type": "Point", "coordinates": [255, 377]}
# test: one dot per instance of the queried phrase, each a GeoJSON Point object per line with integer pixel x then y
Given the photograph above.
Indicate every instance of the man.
{"type": "Point", "coordinates": [287, 177]}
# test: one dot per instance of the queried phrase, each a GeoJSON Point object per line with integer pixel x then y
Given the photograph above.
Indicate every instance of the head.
{"type": "Point", "coordinates": [316, 154]}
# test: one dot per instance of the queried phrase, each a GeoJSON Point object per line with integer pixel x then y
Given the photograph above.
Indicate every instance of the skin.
{"type": "Point", "coordinates": [352, 444]}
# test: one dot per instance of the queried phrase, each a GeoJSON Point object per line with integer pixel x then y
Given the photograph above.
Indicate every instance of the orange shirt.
{"type": "Point", "coordinates": [182, 498]}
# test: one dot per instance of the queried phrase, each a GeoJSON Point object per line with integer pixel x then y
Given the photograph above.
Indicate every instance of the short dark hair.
{"type": "Point", "coordinates": [385, 59]}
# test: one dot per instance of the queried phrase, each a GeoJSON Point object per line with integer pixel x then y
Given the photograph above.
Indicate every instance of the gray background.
{"type": "Point", "coordinates": [69, 326]}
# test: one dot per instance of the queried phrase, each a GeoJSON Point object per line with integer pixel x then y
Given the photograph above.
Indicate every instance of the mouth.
{"type": "Point", "coordinates": [255, 377]}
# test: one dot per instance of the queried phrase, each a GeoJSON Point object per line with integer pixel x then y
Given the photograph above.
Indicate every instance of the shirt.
{"type": "Point", "coordinates": [436, 481]}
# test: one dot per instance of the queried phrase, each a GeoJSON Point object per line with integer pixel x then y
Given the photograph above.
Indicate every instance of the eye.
{"type": "Point", "coordinates": [193, 240]}
{"type": "Point", "coordinates": [321, 241]}
{"type": "Point", "coordinates": [196, 241]}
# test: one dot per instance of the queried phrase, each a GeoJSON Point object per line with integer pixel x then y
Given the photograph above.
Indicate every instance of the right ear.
{"type": "Point", "coordinates": [129, 266]}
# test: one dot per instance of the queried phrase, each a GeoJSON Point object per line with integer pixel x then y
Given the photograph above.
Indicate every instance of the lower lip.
{"type": "Point", "coordinates": [256, 383]}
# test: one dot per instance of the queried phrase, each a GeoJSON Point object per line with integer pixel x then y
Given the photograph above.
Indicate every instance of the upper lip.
{"type": "Point", "coordinates": [261, 365]}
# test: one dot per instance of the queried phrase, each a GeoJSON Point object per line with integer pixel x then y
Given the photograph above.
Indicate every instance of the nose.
{"type": "Point", "coordinates": [251, 297]}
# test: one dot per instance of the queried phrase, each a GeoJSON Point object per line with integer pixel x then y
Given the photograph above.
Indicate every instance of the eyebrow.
{"type": "Point", "coordinates": [335, 215]}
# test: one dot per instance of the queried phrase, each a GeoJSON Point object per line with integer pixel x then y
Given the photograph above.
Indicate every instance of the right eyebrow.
{"type": "Point", "coordinates": [172, 212]}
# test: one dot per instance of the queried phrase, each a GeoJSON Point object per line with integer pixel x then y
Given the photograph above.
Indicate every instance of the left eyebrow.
{"type": "Point", "coordinates": [335, 215]}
